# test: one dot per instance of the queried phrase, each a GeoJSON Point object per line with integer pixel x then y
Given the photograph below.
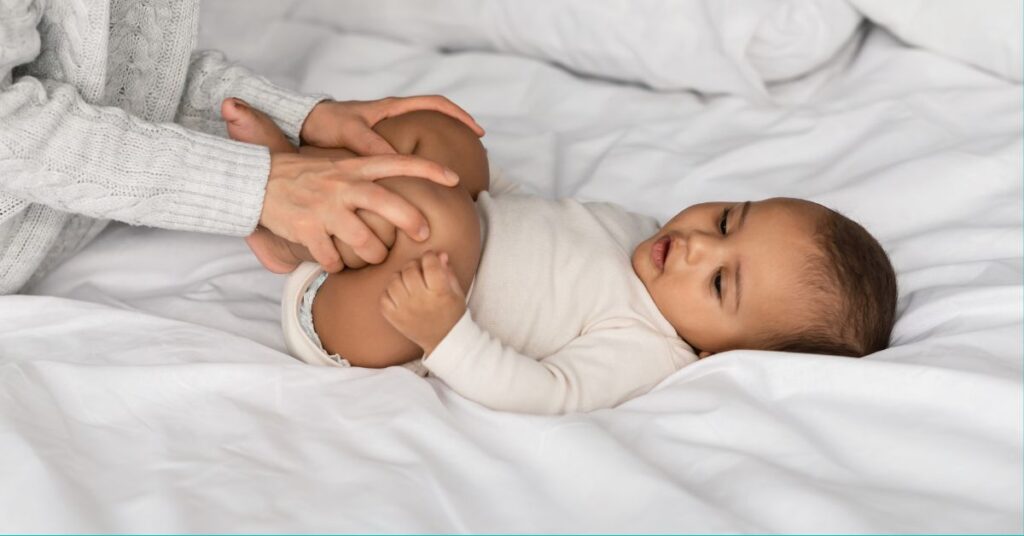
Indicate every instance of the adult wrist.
{"type": "Point", "coordinates": [312, 121]}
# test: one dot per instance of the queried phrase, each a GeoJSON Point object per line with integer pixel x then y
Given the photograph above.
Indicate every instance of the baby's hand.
{"type": "Point", "coordinates": [424, 300]}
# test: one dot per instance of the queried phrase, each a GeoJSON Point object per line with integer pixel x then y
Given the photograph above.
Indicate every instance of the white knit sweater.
{"type": "Point", "coordinates": [88, 93]}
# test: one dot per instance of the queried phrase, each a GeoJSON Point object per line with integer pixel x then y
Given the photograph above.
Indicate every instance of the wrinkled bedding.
{"type": "Point", "coordinates": [144, 385]}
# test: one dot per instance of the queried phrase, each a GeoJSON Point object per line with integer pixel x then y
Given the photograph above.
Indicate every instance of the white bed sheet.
{"type": "Point", "coordinates": [145, 388]}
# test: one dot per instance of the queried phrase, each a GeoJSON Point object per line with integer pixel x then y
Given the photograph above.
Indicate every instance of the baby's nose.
{"type": "Point", "coordinates": [697, 245]}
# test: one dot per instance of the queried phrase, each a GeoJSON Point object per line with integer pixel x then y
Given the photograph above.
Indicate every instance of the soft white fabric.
{"type": "Point", "coordinates": [89, 89]}
{"type": "Point", "coordinates": [300, 336]}
{"type": "Point", "coordinates": [298, 343]}
{"type": "Point", "coordinates": [557, 320]}
{"type": "Point", "coordinates": [170, 405]}
{"type": "Point", "coordinates": [712, 46]}
{"type": "Point", "coordinates": [537, 337]}
{"type": "Point", "coordinates": [984, 33]}
{"type": "Point", "coordinates": [300, 290]}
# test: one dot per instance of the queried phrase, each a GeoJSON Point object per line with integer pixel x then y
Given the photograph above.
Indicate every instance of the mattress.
{"type": "Point", "coordinates": [145, 386]}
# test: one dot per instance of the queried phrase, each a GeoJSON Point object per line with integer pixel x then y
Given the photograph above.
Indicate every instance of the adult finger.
{"type": "Point", "coordinates": [383, 228]}
{"type": "Point", "coordinates": [366, 142]}
{"type": "Point", "coordinates": [437, 103]}
{"type": "Point", "coordinates": [348, 255]}
{"type": "Point", "coordinates": [352, 230]}
{"type": "Point", "coordinates": [392, 207]}
{"type": "Point", "coordinates": [322, 249]}
{"type": "Point", "coordinates": [381, 166]}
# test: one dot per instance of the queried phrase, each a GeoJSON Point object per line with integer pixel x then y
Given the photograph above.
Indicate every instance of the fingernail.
{"type": "Point", "coordinates": [424, 232]}
{"type": "Point", "coordinates": [452, 177]}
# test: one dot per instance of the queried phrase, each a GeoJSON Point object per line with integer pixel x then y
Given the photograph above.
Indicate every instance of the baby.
{"type": "Point", "coordinates": [540, 306]}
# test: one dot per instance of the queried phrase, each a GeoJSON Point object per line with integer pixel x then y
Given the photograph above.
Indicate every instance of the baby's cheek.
{"type": "Point", "coordinates": [703, 329]}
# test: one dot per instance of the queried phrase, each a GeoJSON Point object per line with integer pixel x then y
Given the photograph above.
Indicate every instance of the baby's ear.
{"type": "Point", "coordinates": [703, 354]}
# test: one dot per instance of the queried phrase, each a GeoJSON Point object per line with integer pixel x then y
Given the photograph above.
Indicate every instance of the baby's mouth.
{"type": "Point", "coordinates": [659, 252]}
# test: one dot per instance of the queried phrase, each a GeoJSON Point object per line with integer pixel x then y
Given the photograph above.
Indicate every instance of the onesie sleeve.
{"type": "Point", "coordinates": [599, 369]}
{"type": "Point", "coordinates": [212, 78]}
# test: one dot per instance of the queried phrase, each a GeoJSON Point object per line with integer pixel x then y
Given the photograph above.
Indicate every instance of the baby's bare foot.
{"type": "Point", "coordinates": [275, 253]}
{"type": "Point", "coordinates": [250, 125]}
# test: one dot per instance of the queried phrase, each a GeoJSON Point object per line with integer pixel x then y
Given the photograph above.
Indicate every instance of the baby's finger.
{"type": "Point", "coordinates": [453, 283]}
{"type": "Point", "coordinates": [412, 277]}
{"type": "Point", "coordinates": [387, 303]}
{"type": "Point", "coordinates": [434, 273]}
{"type": "Point", "coordinates": [396, 289]}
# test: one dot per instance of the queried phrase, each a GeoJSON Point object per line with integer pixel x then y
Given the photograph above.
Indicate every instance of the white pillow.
{"type": "Point", "coordinates": [984, 33]}
{"type": "Point", "coordinates": [712, 46]}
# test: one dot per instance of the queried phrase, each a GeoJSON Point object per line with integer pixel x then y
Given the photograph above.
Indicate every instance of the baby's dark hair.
{"type": "Point", "coordinates": [857, 299]}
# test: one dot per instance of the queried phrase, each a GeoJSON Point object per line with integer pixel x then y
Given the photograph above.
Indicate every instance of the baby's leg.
{"type": "Point", "coordinates": [430, 135]}
{"type": "Point", "coordinates": [275, 253]}
{"type": "Point", "coordinates": [433, 136]}
{"type": "Point", "coordinates": [346, 312]}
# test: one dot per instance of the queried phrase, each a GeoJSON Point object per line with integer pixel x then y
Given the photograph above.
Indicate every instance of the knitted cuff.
{"type": "Point", "coordinates": [219, 187]}
{"type": "Point", "coordinates": [287, 108]}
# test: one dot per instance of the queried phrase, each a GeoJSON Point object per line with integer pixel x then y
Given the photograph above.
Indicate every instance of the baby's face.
{"type": "Point", "coordinates": [725, 274]}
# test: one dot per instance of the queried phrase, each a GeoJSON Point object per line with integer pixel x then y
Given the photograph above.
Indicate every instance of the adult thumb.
{"type": "Point", "coordinates": [368, 143]}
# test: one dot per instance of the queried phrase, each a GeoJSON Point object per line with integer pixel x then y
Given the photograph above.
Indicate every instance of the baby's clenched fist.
{"type": "Point", "coordinates": [424, 300]}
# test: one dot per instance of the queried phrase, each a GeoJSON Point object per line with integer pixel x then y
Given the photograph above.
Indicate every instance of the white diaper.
{"type": "Point", "coordinates": [297, 320]}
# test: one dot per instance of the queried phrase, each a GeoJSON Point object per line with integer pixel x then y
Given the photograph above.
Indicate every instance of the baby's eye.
{"type": "Point", "coordinates": [722, 223]}
{"type": "Point", "coordinates": [718, 283]}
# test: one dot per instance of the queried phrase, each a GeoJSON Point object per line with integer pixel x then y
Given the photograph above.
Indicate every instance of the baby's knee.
{"type": "Point", "coordinates": [443, 139]}
{"type": "Point", "coordinates": [407, 131]}
{"type": "Point", "coordinates": [454, 227]}
{"type": "Point", "coordinates": [346, 312]}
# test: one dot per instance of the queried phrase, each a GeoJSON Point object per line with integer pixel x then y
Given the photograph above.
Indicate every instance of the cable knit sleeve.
{"type": "Point", "coordinates": [19, 43]}
{"type": "Point", "coordinates": [211, 79]}
{"type": "Point", "coordinates": [598, 369]}
{"type": "Point", "coordinates": [58, 150]}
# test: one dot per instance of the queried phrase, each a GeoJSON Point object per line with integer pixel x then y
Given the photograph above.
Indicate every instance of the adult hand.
{"type": "Point", "coordinates": [309, 200]}
{"type": "Point", "coordinates": [349, 124]}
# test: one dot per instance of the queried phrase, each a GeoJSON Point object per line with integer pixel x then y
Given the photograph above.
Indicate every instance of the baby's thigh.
{"type": "Point", "coordinates": [384, 229]}
{"type": "Point", "coordinates": [346, 312]}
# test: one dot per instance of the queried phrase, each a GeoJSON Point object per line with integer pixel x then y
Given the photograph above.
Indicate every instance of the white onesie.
{"type": "Point", "coordinates": [557, 321]}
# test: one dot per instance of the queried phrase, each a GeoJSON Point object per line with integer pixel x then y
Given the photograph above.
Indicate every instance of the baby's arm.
{"type": "Point", "coordinates": [599, 369]}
